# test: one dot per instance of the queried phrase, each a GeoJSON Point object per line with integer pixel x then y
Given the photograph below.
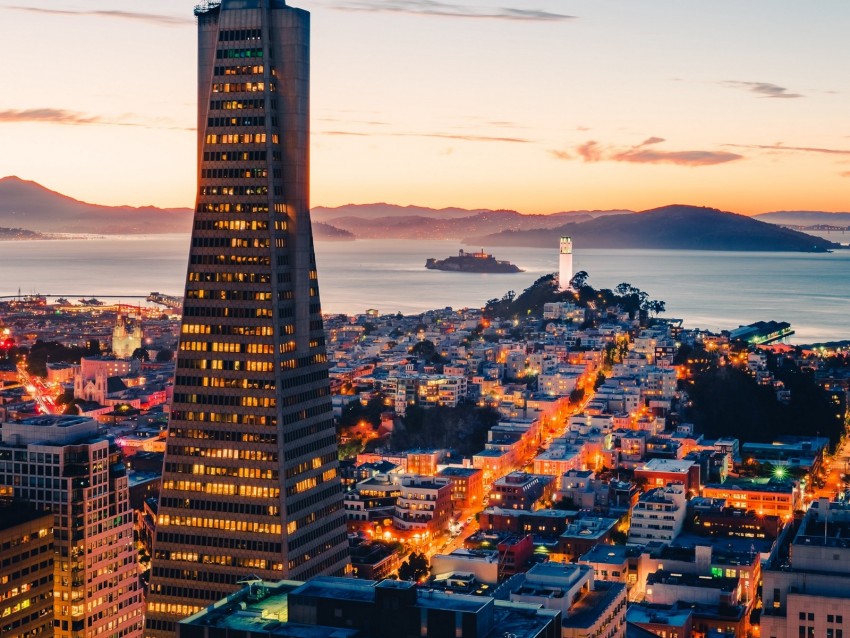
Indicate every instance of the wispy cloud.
{"type": "Point", "coordinates": [593, 151]}
{"type": "Point", "coordinates": [76, 118]}
{"type": "Point", "coordinates": [352, 133]}
{"type": "Point", "coordinates": [467, 138]}
{"type": "Point", "coordinates": [762, 89]}
{"type": "Point", "coordinates": [442, 136]}
{"type": "Point", "coordinates": [152, 18]}
{"type": "Point", "coordinates": [797, 149]}
{"type": "Point", "coordinates": [50, 116]}
{"type": "Point", "coordinates": [449, 10]}
{"type": "Point", "coordinates": [845, 174]}
{"type": "Point", "coordinates": [348, 121]}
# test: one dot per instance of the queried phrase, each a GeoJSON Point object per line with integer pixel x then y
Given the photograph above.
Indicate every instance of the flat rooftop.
{"type": "Point", "coordinates": [461, 472]}
{"type": "Point", "coordinates": [666, 465]}
{"type": "Point", "coordinates": [754, 485]}
{"type": "Point", "coordinates": [590, 606]}
{"type": "Point", "coordinates": [54, 421]}
{"type": "Point", "coordinates": [20, 514]}
{"type": "Point", "coordinates": [610, 554]}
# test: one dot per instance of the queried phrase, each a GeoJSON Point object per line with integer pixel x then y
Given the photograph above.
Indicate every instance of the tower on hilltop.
{"type": "Point", "coordinates": [565, 264]}
{"type": "Point", "coordinates": [250, 485]}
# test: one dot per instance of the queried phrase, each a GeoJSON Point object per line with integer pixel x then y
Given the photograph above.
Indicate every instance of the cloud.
{"type": "Point", "coordinates": [763, 89]}
{"type": "Point", "coordinates": [448, 10]}
{"type": "Point", "coordinates": [680, 158]}
{"type": "Point", "coordinates": [352, 133]}
{"type": "Point", "coordinates": [51, 116]}
{"type": "Point", "coordinates": [467, 138]}
{"type": "Point", "coordinates": [798, 149]}
{"type": "Point", "coordinates": [592, 152]}
{"type": "Point", "coordinates": [152, 18]}
{"type": "Point", "coordinates": [347, 121]}
{"type": "Point", "coordinates": [845, 174]}
{"type": "Point", "coordinates": [76, 118]}
{"type": "Point", "coordinates": [442, 136]}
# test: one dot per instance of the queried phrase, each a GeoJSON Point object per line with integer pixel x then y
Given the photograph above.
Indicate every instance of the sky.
{"type": "Point", "coordinates": [534, 105]}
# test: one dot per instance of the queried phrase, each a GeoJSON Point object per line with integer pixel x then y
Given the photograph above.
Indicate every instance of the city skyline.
{"type": "Point", "coordinates": [538, 107]}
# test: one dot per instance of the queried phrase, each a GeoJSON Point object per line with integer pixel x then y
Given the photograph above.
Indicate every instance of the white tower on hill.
{"type": "Point", "coordinates": [565, 270]}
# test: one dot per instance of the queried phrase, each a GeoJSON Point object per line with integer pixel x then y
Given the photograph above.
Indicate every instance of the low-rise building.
{"type": "Point", "coordinates": [771, 496]}
{"type": "Point", "coordinates": [660, 472]}
{"type": "Point", "coordinates": [659, 515]}
{"type": "Point", "coordinates": [328, 607]}
{"type": "Point", "coordinates": [588, 608]}
{"type": "Point", "coordinates": [582, 534]}
{"type": "Point", "coordinates": [424, 507]}
{"type": "Point", "coordinates": [467, 486]}
{"type": "Point", "coordinates": [522, 491]}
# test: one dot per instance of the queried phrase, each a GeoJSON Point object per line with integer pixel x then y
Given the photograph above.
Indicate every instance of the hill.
{"type": "Point", "coordinates": [32, 207]}
{"type": "Point", "coordinates": [386, 221]}
{"type": "Point", "coordinates": [805, 218]}
{"type": "Point", "coordinates": [669, 227]}
{"type": "Point", "coordinates": [326, 232]}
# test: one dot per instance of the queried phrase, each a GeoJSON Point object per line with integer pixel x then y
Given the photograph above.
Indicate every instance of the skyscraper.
{"type": "Point", "coordinates": [62, 464]}
{"type": "Point", "coordinates": [250, 484]}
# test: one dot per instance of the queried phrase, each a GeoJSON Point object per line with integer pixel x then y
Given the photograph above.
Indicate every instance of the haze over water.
{"type": "Point", "coordinates": [713, 290]}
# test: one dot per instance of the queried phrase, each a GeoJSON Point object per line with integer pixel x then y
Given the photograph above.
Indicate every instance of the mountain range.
{"type": "Point", "coordinates": [28, 205]}
{"type": "Point", "coordinates": [676, 227]}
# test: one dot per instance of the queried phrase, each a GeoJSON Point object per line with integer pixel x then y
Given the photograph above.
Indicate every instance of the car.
{"type": "Point", "coordinates": [468, 520]}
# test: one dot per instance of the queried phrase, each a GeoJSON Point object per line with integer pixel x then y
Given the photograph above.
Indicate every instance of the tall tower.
{"type": "Point", "coordinates": [250, 485]}
{"type": "Point", "coordinates": [565, 269]}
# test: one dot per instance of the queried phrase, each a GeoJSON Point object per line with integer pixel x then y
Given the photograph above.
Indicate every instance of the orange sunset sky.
{"type": "Point", "coordinates": [535, 105]}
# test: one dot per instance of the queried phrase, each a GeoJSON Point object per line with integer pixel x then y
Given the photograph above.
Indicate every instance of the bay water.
{"type": "Point", "coordinates": [709, 289]}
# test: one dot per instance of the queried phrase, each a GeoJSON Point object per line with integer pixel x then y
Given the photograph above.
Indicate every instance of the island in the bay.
{"type": "Point", "coordinates": [471, 262]}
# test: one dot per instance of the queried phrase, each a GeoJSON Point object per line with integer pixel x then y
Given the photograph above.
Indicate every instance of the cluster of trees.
{"type": "Point", "coordinates": [726, 401]}
{"type": "Point", "coordinates": [415, 567]}
{"type": "Point", "coordinates": [427, 351]}
{"type": "Point", "coordinates": [355, 411]}
{"type": "Point", "coordinates": [630, 298]}
{"type": "Point", "coordinates": [162, 356]}
{"type": "Point", "coordinates": [463, 428]}
{"type": "Point", "coordinates": [44, 351]}
{"type": "Point", "coordinates": [545, 290]}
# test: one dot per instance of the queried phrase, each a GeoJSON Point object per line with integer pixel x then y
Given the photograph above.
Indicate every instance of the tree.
{"type": "Point", "coordinates": [624, 289]}
{"type": "Point", "coordinates": [579, 280]}
{"type": "Point", "coordinates": [164, 356]}
{"type": "Point", "coordinates": [141, 354]}
{"type": "Point", "coordinates": [656, 307]}
{"type": "Point", "coordinates": [600, 379]}
{"type": "Point", "coordinates": [576, 395]}
{"type": "Point", "coordinates": [414, 568]}
{"type": "Point", "coordinates": [428, 351]}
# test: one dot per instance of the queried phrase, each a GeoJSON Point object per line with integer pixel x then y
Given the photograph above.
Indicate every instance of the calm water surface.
{"type": "Point", "coordinates": [714, 290]}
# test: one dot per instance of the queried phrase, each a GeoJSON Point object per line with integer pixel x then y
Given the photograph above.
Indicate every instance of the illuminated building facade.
{"type": "Point", "coordinates": [61, 464]}
{"type": "Point", "coordinates": [250, 485]}
{"type": "Point", "coordinates": [26, 582]}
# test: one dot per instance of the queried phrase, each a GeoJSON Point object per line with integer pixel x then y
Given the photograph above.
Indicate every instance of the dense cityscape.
{"type": "Point", "coordinates": [565, 461]}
